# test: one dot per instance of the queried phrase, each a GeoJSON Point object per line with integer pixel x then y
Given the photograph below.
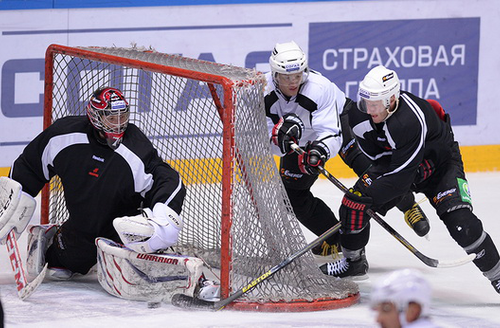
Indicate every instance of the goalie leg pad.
{"type": "Point", "coordinates": [145, 277]}
{"type": "Point", "coordinates": [40, 237]}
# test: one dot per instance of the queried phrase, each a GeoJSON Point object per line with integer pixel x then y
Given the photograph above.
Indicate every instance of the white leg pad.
{"type": "Point", "coordinates": [145, 277]}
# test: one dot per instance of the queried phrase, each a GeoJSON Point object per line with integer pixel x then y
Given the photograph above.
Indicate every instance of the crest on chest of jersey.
{"type": "Point", "coordinates": [377, 88]}
{"type": "Point", "coordinates": [288, 59]}
{"type": "Point", "coordinates": [109, 113]}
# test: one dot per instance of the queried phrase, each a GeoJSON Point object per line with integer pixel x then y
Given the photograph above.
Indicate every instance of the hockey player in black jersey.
{"type": "Point", "coordinates": [115, 186]}
{"type": "Point", "coordinates": [412, 145]}
{"type": "Point", "coordinates": [305, 107]}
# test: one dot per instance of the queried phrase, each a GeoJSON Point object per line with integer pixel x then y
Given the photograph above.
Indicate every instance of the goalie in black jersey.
{"type": "Point", "coordinates": [116, 187]}
{"type": "Point", "coordinates": [305, 107]}
{"type": "Point", "coordinates": [412, 144]}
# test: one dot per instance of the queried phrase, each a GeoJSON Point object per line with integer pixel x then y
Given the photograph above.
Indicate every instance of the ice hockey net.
{"type": "Point", "coordinates": [207, 121]}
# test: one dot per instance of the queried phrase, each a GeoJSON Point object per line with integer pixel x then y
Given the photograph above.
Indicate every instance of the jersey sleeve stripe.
{"type": "Point", "coordinates": [55, 145]}
{"type": "Point", "coordinates": [420, 116]}
{"type": "Point", "coordinates": [143, 182]}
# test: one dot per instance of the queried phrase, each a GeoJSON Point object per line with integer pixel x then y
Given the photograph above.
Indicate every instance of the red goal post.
{"type": "Point", "coordinates": [207, 121]}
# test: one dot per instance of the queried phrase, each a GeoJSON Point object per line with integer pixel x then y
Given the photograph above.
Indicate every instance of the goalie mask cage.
{"type": "Point", "coordinates": [207, 121]}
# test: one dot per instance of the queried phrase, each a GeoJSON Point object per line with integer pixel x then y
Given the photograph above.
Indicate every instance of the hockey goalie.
{"type": "Point", "coordinates": [124, 204]}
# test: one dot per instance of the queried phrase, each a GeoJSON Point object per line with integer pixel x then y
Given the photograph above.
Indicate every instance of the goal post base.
{"type": "Point", "coordinates": [298, 305]}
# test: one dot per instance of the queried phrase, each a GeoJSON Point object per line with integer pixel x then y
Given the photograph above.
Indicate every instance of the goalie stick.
{"type": "Point", "coordinates": [24, 289]}
{"type": "Point", "coordinates": [185, 301]}
{"type": "Point", "coordinates": [425, 259]}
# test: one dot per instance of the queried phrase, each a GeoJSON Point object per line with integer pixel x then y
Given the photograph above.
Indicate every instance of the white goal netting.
{"type": "Point", "coordinates": [207, 121]}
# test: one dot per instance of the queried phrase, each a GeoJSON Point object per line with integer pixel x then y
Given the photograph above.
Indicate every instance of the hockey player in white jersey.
{"type": "Point", "coordinates": [305, 107]}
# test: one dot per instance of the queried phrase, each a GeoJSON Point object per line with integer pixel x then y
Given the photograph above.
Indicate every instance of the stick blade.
{"type": "Point", "coordinates": [32, 286]}
{"type": "Point", "coordinates": [458, 262]}
{"type": "Point", "coordinates": [188, 302]}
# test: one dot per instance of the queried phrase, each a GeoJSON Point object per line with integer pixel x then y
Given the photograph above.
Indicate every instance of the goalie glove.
{"type": "Point", "coordinates": [158, 229]}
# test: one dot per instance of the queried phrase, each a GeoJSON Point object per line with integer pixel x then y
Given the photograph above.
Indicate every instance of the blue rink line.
{"type": "Point", "coordinates": [66, 4]}
{"type": "Point", "coordinates": [142, 29]}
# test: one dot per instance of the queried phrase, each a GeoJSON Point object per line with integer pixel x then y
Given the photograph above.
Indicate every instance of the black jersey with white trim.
{"type": "Point", "coordinates": [100, 183]}
{"type": "Point", "coordinates": [399, 144]}
{"type": "Point", "coordinates": [318, 103]}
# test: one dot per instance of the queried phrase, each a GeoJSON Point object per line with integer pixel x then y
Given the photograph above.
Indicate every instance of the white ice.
{"type": "Point", "coordinates": [462, 296]}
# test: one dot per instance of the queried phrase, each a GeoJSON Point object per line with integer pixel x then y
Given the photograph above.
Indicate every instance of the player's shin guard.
{"type": "Point", "coordinates": [468, 231]}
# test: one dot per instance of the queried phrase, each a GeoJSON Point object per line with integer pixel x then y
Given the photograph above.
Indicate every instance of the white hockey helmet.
{"type": "Point", "coordinates": [109, 113]}
{"type": "Point", "coordinates": [380, 84]}
{"type": "Point", "coordinates": [402, 287]}
{"type": "Point", "coordinates": [288, 58]}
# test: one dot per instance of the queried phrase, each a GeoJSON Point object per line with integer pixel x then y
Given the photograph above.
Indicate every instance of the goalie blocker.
{"type": "Point", "coordinates": [16, 208]}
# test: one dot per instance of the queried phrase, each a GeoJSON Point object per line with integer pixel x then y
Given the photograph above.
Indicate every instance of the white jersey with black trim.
{"type": "Point", "coordinates": [318, 103]}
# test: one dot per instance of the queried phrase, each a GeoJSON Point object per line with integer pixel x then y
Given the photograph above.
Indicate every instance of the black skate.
{"type": "Point", "coordinates": [346, 267]}
{"type": "Point", "coordinates": [496, 285]}
{"type": "Point", "coordinates": [417, 220]}
{"type": "Point", "coordinates": [325, 249]}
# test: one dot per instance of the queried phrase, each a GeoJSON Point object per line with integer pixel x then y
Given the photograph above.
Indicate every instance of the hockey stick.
{"type": "Point", "coordinates": [427, 260]}
{"type": "Point", "coordinates": [185, 301]}
{"type": "Point", "coordinates": [24, 289]}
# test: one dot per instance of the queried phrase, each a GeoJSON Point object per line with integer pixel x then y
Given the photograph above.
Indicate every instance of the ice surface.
{"type": "Point", "coordinates": [462, 297]}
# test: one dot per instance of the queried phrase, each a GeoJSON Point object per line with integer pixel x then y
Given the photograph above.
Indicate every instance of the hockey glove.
{"type": "Point", "coordinates": [316, 154]}
{"type": "Point", "coordinates": [353, 210]}
{"type": "Point", "coordinates": [289, 128]}
{"type": "Point", "coordinates": [424, 171]}
{"type": "Point", "coordinates": [159, 229]}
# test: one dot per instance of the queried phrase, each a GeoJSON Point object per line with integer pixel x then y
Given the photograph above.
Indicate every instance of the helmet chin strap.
{"type": "Point", "coordinates": [389, 113]}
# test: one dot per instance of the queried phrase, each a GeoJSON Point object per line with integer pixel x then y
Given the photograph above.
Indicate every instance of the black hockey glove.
{"type": "Point", "coordinates": [289, 128]}
{"type": "Point", "coordinates": [424, 171]}
{"type": "Point", "coordinates": [352, 211]}
{"type": "Point", "coordinates": [316, 154]}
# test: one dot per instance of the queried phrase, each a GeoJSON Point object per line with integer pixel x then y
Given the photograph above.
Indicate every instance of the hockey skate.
{"type": "Point", "coordinates": [325, 249]}
{"type": "Point", "coordinates": [417, 220]}
{"type": "Point", "coordinates": [208, 290]}
{"type": "Point", "coordinates": [347, 267]}
{"type": "Point", "coordinates": [54, 273]}
{"type": "Point", "coordinates": [496, 285]}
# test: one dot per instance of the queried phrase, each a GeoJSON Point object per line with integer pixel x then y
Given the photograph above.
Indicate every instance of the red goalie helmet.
{"type": "Point", "coordinates": [109, 112]}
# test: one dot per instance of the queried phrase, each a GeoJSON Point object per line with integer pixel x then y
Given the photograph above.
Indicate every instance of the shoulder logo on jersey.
{"type": "Point", "coordinates": [94, 172]}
